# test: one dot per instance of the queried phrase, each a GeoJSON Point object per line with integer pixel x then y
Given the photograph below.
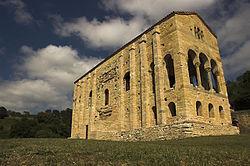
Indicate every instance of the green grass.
{"type": "Point", "coordinates": [224, 150]}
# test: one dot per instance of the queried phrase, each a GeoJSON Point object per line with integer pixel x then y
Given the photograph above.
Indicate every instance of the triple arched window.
{"type": "Point", "coordinates": [203, 72]}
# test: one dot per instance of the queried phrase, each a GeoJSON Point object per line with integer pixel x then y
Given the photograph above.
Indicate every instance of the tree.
{"type": "Point", "coordinates": [3, 113]}
{"type": "Point", "coordinates": [24, 128]}
{"type": "Point", "coordinates": [239, 92]}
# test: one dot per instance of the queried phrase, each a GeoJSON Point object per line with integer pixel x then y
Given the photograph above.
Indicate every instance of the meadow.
{"type": "Point", "coordinates": [219, 150]}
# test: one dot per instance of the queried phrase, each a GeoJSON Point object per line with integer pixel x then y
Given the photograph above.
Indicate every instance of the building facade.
{"type": "Point", "coordinates": [169, 79]}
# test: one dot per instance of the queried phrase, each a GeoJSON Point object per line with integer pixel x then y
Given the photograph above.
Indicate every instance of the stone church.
{"type": "Point", "coordinates": [166, 83]}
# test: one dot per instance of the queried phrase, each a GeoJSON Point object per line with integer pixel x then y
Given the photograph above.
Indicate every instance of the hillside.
{"type": "Point", "coordinates": [224, 150]}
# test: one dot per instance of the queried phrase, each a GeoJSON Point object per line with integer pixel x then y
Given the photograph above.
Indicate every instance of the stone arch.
{"type": "Point", "coordinates": [170, 70]}
{"type": "Point", "coordinates": [172, 108]}
{"type": "Point", "coordinates": [221, 112]}
{"type": "Point", "coordinates": [203, 71]}
{"type": "Point", "coordinates": [152, 71]}
{"type": "Point", "coordinates": [126, 79]}
{"type": "Point", "coordinates": [214, 75]}
{"type": "Point", "coordinates": [198, 108]}
{"type": "Point", "coordinates": [106, 97]}
{"type": "Point", "coordinates": [191, 68]}
{"type": "Point", "coordinates": [211, 110]}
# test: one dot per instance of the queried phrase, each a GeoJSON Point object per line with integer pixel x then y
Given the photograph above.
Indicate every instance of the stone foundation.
{"type": "Point", "coordinates": [166, 132]}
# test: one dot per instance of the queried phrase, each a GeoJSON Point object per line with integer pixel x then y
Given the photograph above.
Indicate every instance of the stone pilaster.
{"type": "Point", "coordinates": [159, 72]}
{"type": "Point", "coordinates": [145, 80]}
{"type": "Point", "coordinates": [122, 91]}
{"type": "Point", "coordinates": [218, 81]}
{"type": "Point", "coordinates": [134, 121]}
{"type": "Point", "coordinates": [74, 114]}
{"type": "Point", "coordinates": [222, 82]}
{"type": "Point", "coordinates": [94, 98]}
{"type": "Point", "coordinates": [82, 109]}
{"type": "Point", "coordinates": [78, 108]}
{"type": "Point", "coordinates": [182, 82]}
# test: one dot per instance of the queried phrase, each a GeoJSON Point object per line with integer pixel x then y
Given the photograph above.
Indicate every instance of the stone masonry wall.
{"type": "Point", "coordinates": [145, 89]}
{"type": "Point", "coordinates": [177, 130]}
{"type": "Point", "coordinates": [243, 118]}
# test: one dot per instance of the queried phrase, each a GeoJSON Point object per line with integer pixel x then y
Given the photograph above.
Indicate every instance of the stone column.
{"type": "Point", "coordinates": [133, 89]}
{"type": "Point", "coordinates": [210, 83]}
{"type": "Point", "coordinates": [145, 79]}
{"type": "Point", "coordinates": [159, 74]}
{"type": "Point", "coordinates": [197, 67]}
{"type": "Point", "coordinates": [122, 89]}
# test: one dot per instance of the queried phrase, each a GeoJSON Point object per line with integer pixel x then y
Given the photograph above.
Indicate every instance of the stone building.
{"type": "Point", "coordinates": [168, 82]}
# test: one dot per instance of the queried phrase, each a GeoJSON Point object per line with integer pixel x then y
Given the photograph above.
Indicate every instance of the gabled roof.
{"type": "Point", "coordinates": [149, 29]}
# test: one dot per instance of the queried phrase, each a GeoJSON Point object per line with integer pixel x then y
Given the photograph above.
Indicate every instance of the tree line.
{"type": "Point", "coordinates": [46, 124]}
{"type": "Point", "coordinates": [239, 92]}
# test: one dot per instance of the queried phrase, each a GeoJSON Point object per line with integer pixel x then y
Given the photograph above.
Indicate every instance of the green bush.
{"type": "Point", "coordinates": [24, 128]}
{"type": "Point", "coordinates": [46, 133]}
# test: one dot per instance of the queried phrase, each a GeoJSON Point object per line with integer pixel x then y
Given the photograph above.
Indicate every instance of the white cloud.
{"type": "Point", "coordinates": [236, 29]}
{"type": "Point", "coordinates": [154, 9]}
{"type": "Point", "coordinates": [114, 32]}
{"type": "Point", "coordinates": [230, 21]}
{"type": "Point", "coordinates": [20, 12]}
{"type": "Point", "coordinates": [48, 79]}
{"type": "Point", "coordinates": [26, 95]}
{"type": "Point", "coordinates": [109, 33]}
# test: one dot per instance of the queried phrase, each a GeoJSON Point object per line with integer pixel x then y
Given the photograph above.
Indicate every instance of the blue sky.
{"type": "Point", "coordinates": [45, 45]}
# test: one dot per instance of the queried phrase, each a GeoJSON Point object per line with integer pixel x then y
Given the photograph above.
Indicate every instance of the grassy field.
{"type": "Point", "coordinates": [224, 150]}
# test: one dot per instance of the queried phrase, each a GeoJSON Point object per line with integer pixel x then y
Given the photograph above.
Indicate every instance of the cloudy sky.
{"type": "Point", "coordinates": [45, 45]}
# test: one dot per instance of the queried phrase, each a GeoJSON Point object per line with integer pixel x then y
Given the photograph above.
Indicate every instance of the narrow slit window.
{"type": "Point", "coordinates": [127, 81]}
{"type": "Point", "coordinates": [106, 97]}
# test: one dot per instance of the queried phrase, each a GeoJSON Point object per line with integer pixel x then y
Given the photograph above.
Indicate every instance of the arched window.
{"type": "Point", "coordinates": [204, 74]}
{"type": "Point", "coordinates": [198, 108]}
{"type": "Point", "coordinates": [211, 110]}
{"type": "Point", "coordinates": [106, 97]}
{"type": "Point", "coordinates": [214, 73]}
{"type": "Point", "coordinates": [152, 71]}
{"type": "Point", "coordinates": [170, 69]}
{"type": "Point", "coordinates": [191, 68]}
{"type": "Point", "coordinates": [90, 98]}
{"type": "Point", "coordinates": [172, 108]}
{"type": "Point", "coordinates": [127, 81]}
{"type": "Point", "coordinates": [222, 112]}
